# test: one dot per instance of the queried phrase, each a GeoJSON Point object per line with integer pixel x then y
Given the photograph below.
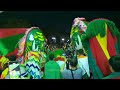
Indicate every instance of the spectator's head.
{"type": "Point", "coordinates": [73, 61]}
{"type": "Point", "coordinates": [80, 51]}
{"type": "Point", "coordinates": [115, 63]}
{"type": "Point", "coordinates": [12, 58]}
{"type": "Point", "coordinates": [51, 56]}
{"type": "Point", "coordinates": [69, 54]}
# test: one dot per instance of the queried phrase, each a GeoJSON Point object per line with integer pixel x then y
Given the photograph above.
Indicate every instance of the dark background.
{"type": "Point", "coordinates": [55, 22]}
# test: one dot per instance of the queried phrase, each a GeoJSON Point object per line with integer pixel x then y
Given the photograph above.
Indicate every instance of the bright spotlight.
{"type": "Point", "coordinates": [63, 39]}
{"type": "Point", "coordinates": [53, 38]}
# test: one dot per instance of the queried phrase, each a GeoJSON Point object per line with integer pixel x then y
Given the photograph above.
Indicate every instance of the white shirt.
{"type": "Point", "coordinates": [83, 64]}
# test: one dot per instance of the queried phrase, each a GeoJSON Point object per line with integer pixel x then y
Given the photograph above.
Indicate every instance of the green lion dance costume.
{"type": "Point", "coordinates": [77, 32]}
{"type": "Point", "coordinates": [103, 42]}
{"type": "Point", "coordinates": [31, 52]}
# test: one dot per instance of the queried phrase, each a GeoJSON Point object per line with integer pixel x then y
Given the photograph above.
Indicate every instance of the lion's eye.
{"type": "Point", "coordinates": [31, 38]}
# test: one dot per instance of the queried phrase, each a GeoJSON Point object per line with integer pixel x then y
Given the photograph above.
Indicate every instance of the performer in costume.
{"type": "Point", "coordinates": [30, 48]}
{"type": "Point", "coordinates": [8, 35]}
{"type": "Point", "coordinates": [103, 42]}
{"type": "Point", "coordinates": [77, 32]}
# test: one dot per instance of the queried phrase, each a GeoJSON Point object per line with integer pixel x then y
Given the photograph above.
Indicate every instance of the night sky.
{"type": "Point", "coordinates": [59, 20]}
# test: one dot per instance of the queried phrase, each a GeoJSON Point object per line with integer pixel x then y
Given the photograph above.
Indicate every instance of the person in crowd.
{"type": "Point", "coordinates": [68, 54]}
{"type": "Point", "coordinates": [52, 69]}
{"type": "Point", "coordinates": [5, 73]}
{"type": "Point", "coordinates": [115, 68]}
{"type": "Point", "coordinates": [73, 72]}
{"type": "Point", "coordinates": [83, 63]}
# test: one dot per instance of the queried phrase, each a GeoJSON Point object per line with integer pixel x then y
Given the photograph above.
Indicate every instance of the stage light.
{"type": "Point", "coordinates": [53, 38]}
{"type": "Point", "coordinates": [62, 39]}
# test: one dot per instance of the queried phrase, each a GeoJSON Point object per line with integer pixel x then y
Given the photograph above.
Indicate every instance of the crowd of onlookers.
{"type": "Point", "coordinates": [73, 65]}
